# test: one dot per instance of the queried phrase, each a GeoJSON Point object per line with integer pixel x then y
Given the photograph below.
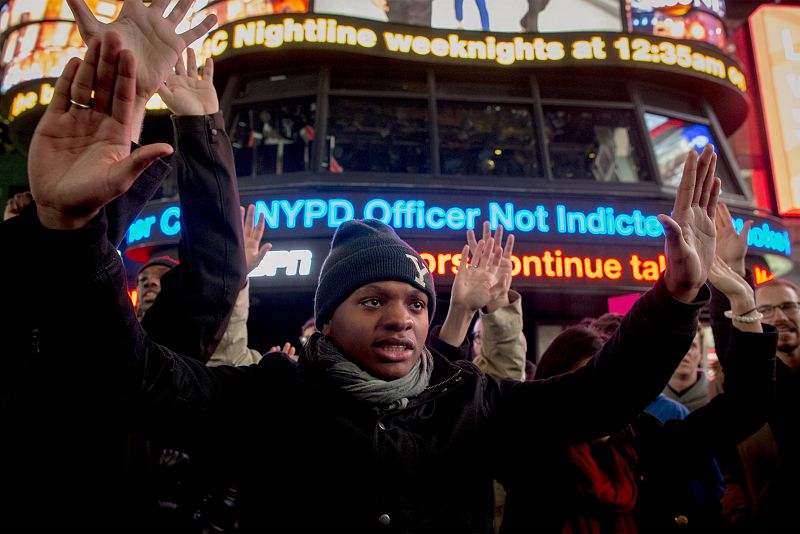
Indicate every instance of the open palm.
{"type": "Point", "coordinates": [690, 232]}
{"type": "Point", "coordinates": [80, 159]}
{"type": "Point", "coordinates": [185, 93]}
{"type": "Point", "coordinates": [148, 34]}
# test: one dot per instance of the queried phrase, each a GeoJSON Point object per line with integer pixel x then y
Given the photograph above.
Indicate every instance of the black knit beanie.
{"type": "Point", "coordinates": [363, 252]}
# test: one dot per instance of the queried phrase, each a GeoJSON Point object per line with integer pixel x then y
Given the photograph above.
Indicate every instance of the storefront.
{"type": "Point", "coordinates": [571, 134]}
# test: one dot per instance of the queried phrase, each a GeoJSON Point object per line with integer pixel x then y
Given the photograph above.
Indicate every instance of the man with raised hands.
{"type": "Point", "coordinates": [189, 309]}
{"type": "Point", "coordinates": [385, 432]}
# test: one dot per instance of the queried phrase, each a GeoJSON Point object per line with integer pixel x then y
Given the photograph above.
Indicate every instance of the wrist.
{"type": "Point", "coordinates": [53, 219]}
{"type": "Point", "coordinates": [742, 305]}
{"type": "Point", "coordinates": [498, 303]}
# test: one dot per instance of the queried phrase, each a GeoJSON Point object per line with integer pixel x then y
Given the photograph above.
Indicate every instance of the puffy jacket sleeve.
{"type": "Point", "coordinates": [233, 349]}
{"type": "Point", "coordinates": [502, 351]}
{"type": "Point", "coordinates": [197, 297]}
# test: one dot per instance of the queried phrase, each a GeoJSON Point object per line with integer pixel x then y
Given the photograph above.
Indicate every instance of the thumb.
{"type": "Point", "coordinates": [266, 247]}
{"type": "Point", "coordinates": [127, 170]}
{"type": "Point", "coordinates": [672, 230]}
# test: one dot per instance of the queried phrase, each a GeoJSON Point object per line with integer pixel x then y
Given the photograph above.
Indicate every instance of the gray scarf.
{"type": "Point", "coordinates": [380, 394]}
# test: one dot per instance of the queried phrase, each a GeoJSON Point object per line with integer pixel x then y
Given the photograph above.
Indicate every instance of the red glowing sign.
{"type": "Point", "coordinates": [762, 275]}
{"type": "Point", "coordinates": [556, 264]}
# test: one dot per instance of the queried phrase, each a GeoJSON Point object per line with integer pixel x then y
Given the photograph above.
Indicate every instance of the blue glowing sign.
{"type": "Point", "coordinates": [438, 216]}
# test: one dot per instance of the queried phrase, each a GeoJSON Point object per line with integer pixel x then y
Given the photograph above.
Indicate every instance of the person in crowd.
{"type": "Point", "coordinates": [380, 425]}
{"type": "Point", "coordinates": [16, 204]}
{"type": "Point", "coordinates": [416, 12]}
{"type": "Point", "coordinates": [185, 305]}
{"type": "Point", "coordinates": [234, 349]}
{"type": "Point", "coordinates": [644, 478]}
{"type": "Point", "coordinates": [762, 488]}
{"type": "Point", "coordinates": [307, 330]}
{"type": "Point", "coordinates": [530, 20]}
{"type": "Point", "coordinates": [663, 408]}
{"type": "Point", "coordinates": [482, 11]}
{"type": "Point", "coordinates": [499, 346]}
{"type": "Point", "coordinates": [689, 384]}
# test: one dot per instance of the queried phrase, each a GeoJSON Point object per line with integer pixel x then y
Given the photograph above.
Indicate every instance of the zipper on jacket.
{"type": "Point", "coordinates": [445, 381]}
{"type": "Point", "coordinates": [35, 342]}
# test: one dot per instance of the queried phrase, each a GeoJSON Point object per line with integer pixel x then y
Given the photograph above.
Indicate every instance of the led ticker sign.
{"type": "Point", "coordinates": [609, 49]}
{"type": "Point", "coordinates": [776, 45]}
{"type": "Point", "coordinates": [700, 20]}
{"type": "Point", "coordinates": [497, 16]}
{"type": "Point", "coordinates": [438, 216]}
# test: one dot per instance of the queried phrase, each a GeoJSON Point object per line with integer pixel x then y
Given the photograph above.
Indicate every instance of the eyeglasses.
{"type": "Point", "coordinates": [768, 310]}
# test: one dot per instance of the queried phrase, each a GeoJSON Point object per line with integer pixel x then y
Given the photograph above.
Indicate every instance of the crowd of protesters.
{"type": "Point", "coordinates": [161, 418]}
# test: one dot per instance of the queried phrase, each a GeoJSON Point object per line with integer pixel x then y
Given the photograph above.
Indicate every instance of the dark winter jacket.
{"type": "Point", "coordinates": [325, 462]}
{"type": "Point", "coordinates": [543, 495]}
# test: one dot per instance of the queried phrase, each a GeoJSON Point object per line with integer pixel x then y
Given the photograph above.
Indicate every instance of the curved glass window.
{"type": "Point", "coordinates": [273, 137]}
{"type": "Point", "coordinates": [672, 138]}
{"type": "Point", "coordinates": [487, 139]}
{"type": "Point", "coordinates": [378, 135]}
{"type": "Point", "coordinates": [594, 144]}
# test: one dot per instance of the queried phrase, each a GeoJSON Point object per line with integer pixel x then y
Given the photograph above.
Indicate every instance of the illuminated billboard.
{"type": "Point", "coordinates": [228, 11]}
{"type": "Point", "coordinates": [776, 46]}
{"type": "Point", "coordinates": [486, 15]}
{"type": "Point", "coordinates": [699, 20]}
{"type": "Point", "coordinates": [580, 241]}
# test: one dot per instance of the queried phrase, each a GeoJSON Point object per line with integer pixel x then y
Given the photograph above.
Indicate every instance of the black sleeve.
{"type": "Point", "coordinates": [732, 416]}
{"type": "Point", "coordinates": [721, 325]}
{"type": "Point", "coordinates": [94, 353]}
{"type": "Point", "coordinates": [629, 372]}
{"type": "Point", "coordinates": [197, 297]}
{"type": "Point", "coordinates": [123, 210]}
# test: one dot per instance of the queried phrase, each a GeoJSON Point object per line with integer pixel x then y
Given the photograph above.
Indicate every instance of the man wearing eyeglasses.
{"type": "Point", "coordinates": [762, 493]}
{"type": "Point", "coordinates": [778, 301]}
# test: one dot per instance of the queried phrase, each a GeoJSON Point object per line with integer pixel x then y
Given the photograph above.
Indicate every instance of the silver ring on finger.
{"type": "Point", "coordinates": [79, 105]}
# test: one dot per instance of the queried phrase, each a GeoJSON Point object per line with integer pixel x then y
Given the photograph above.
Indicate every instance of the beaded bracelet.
{"type": "Point", "coordinates": [746, 317]}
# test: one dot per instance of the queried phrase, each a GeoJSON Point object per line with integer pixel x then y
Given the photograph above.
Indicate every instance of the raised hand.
{"type": "Point", "coordinates": [287, 348]}
{"type": "Point", "coordinates": [185, 93]}
{"type": "Point", "coordinates": [731, 245]}
{"type": "Point", "coordinates": [729, 282]}
{"type": "Point", "coordinates": [739, 293]}
{"type": "Point", "coordinates": [80, 158]}
{"type": "Point", "coordinates": [149, 35]}
{"type": "Point", "coordinates": [502, 274]}
{"type": "Point", "coordinates": [254, 251]}
{"type": "Point", "coordinates": [690, 233]}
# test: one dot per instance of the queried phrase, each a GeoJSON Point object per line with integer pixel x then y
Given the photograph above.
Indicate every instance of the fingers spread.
{"type": "Point", "coordinates": [701, 173]}
{"type": "Point", "coordinates": [471, 241]}
{"type": "Point", "coordinates": [683, 198]}
{"type": "Point", "coordinates": [60, 101]}
{"type": "Point", "coordinates": [208, 70]}
{"type": "Point", "coordinates": [716, 186]}
{"type": "Point", "coordinates": [179, 11]}
{"type": "Point", "coordinates": [191, 64]}
{"type": "Point", "coordinates": [83, 82]}
{"type": "Point", "coordinates": [87, 23]}
{"type": "Point", "coordinates": [509, 248]}
{"type": "Point", "coordinates": [708, 182]}
{"type": "Point", "coordinates": [249, 221]}
{"type": "Point", "coordinates": [125, 88]}
{"type": "Point", "coordinates": [180, 66]}
{"type": "Point", "coordinates": [106, 72]}
{"type": "Point", "coordinates": [190, 36]}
